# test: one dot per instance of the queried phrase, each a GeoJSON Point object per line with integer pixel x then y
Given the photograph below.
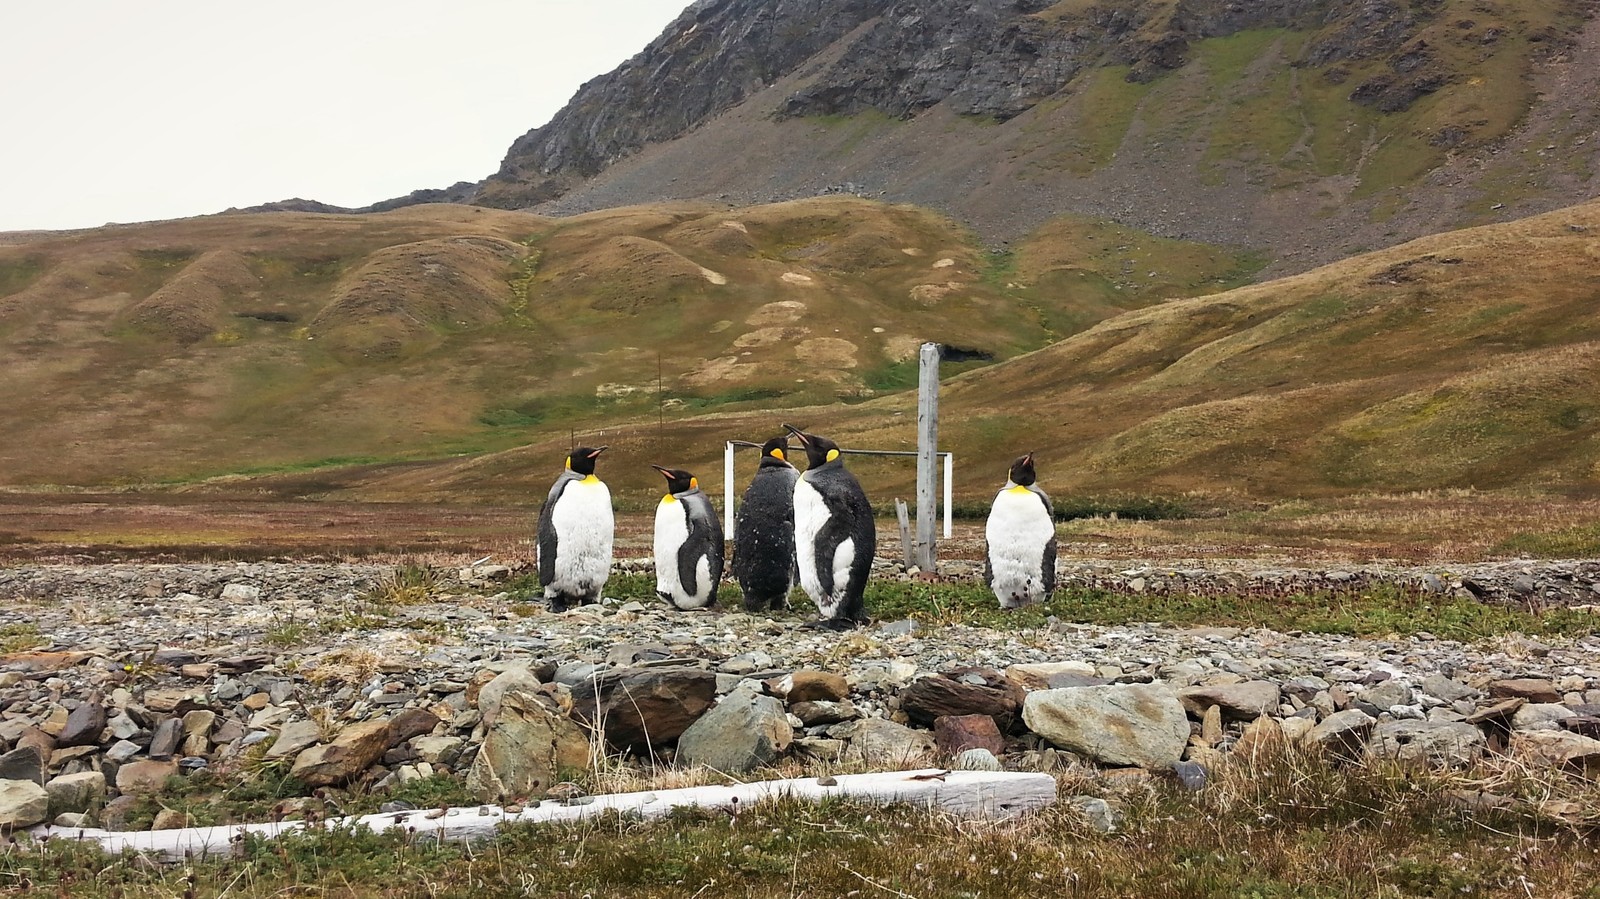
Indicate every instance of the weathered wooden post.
{"type": "Point", "coordinates": [927, 456]}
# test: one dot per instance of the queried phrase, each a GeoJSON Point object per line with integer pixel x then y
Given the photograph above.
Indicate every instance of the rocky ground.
{"type": "Point", "coordinates": [122, 676]}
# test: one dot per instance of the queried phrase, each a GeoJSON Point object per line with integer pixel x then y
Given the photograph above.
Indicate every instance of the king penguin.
{"type": "Point", "coordinates": [576, 529]}
{"type": "Point", "coordinates": [834, 535]}
{"type": "Point", "coordinates": [763, 532]}
{"type": "Point", "coordinates": [1020, 540]}
{"type": "Point", "coordinates": [688, 543]}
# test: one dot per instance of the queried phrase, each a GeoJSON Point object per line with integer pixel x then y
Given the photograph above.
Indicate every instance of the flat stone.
{"type": "Point", "coordinates": [294, 738]}
{"type": "Point", "coordinates": [1240, 702]}
{"type": "Point", "coordinates": [879, 742]}
{"type": "Point", "coordinates": [963, 691]}
{"type": "Point", "coordinates": [1532, 689]}
{"type": "Point", "coordinates": [355, 750]}
{"type": "Point", "coordinates": [1037, 675]}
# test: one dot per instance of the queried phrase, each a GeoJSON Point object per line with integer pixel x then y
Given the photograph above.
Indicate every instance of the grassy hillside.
{"type": "Point", "coordinates": [295, 343]}
{"type": "Point", "coordinates": [1464, 360]}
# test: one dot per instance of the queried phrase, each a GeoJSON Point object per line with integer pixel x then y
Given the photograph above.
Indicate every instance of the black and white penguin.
{"type": "Point", "coordinates": [688, 543]}
{"type": "Point", "coordinates": [1020, 540]}
{"type": "Point", "coordinates": [576, 529]}
{"type": "Point", "coordinates": [834, 534]}
{"type": "Point", "coordinates": [763, 531]}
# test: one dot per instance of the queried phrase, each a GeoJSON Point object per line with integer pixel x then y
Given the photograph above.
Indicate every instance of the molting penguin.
{"type": "Point", "coordinates": [1021, 540]}
{"type": "Point", "coordinates": [834, 535]}
{"type": "Point", "coordinates": [576, 529]}
{"type": "Point", "coordinates": [763, 532]}
{"type": "Point", "coordinates": [688, 543]}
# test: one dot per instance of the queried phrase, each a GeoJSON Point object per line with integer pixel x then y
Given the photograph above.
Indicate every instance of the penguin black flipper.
{"type": "Point", "coordinates": [850, 520]}
{"type": "Point", "coordinates": [547, 531]}
{"type": "Point", "coordinates": [705, 541]}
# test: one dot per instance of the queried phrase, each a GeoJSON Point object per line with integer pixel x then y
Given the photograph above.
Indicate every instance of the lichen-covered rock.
{"type": "Point", "coordinates": [529, 748]}
{"type": "Point", "coordinates": [1448, 744]}
{"type": "Point", "coordinates": [641, 708]}
{"type": "Point", "coordinates": [744, 731]}
{"type": "Point", "coordinates": [23, 803]}
{"type": "Point", "coordinates": [1119, 724]}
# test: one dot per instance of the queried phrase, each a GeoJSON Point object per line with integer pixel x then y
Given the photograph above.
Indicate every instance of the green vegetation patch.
{"type": "Point", "coordinates": [1373, 612]}
{"type": "Point", "coordinates": [17, 272]}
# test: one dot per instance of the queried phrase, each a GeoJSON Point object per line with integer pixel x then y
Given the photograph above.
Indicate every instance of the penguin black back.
{"type": "Point", "coordinates": [763, 531]}
{"type": "Point", "coordinates": [835, 536]}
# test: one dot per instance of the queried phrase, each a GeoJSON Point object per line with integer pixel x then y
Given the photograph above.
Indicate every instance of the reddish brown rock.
{"type": "Point", "coordinates": [411, 723]}
{"type": "Point", "coordinates": [955, 734]}
{"type": "Point", "coordinates": [964, 691]}
{"type": "Point", "coordinates": [809, 686]}
{"type": "Point", "coordinates": [1532, 689]}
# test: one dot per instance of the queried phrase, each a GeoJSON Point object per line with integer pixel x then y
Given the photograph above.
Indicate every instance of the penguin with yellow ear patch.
{"type": "Point", "coordinates": [834, 534]}
{"type": "Point", "coordinates": [576, 529]}
{"type": "Point", "coordinates": [1020, 540]}
{"type": "Point", "coordinates": [688, 543]}
{"type": "Point", "coordinates": [763, 533]}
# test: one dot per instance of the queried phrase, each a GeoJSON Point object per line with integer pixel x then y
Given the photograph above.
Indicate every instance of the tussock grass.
{"type": "Point", "coordinates": [1278, 824]}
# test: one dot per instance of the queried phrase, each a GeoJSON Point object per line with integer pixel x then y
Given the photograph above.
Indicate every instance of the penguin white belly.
{"type": "Point", "coordinates": [843, 557]}
{"type": "Point", "coordinates": [672, 529]}
{"type": "Point", "coordinates": [1019, 526]}
{"type": "Point", "coordinates": [810, 516]}
{"type": "Point", "coordinates": [584, 529]}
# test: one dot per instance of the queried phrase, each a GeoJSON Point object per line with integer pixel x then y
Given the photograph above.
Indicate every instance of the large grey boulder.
{"type": "Point", "coordinates": [744, 731]}
{"type": "Point", "coordinates": [529, 748]}
{"type": "Point", "coordinates": [23, 803]}
{"type": "Point", "coordinates": [76, 792]}
{"type": "Point", "coordinates": [1448, 744]}
{"type": "Point", "coordinates": [1118, 724]}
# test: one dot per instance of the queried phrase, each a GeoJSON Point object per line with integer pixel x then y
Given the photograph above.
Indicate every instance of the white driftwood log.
{"type": "Point", "coordinates": [991, 794]}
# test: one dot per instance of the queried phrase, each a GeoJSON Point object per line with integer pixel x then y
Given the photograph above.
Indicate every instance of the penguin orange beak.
{"type": "Point", "coordinates": [664, 472]}
{"type": "Point", "coordinates": [597, 452]}
{"type": "Point", "coordinates": [799, 434]}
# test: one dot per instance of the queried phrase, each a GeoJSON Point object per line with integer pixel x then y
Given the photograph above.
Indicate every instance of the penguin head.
{"type": "Point", "coordinates": [1022, 473]}
{"type": "Point", "coordinates": [776, 450]}
{"type": "Point", "coordinates": [678, 480]}
{"type": "Point", "coordinates": [819, 450]}
{"type": "Point", "coordinates": [581, 460]}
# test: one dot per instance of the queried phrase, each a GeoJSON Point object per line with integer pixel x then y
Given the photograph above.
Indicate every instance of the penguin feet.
{"type": "Point", "coordinates": [834, 624]}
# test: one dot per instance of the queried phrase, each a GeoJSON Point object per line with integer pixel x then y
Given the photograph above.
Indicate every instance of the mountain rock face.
{"type": "Point", "coordinates": [1309, 129]}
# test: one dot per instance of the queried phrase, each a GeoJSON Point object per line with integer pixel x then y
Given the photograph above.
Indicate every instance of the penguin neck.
{"type": "Point", "coordinates": [1014, 487]}
{"type": "Point", "coordinates": [586, 478]}
{"type": "Point", "coordinates": [669, 498]}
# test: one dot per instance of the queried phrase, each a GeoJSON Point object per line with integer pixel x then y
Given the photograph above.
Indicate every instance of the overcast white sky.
{"type": "Point", "coordinates": [123, 111]}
